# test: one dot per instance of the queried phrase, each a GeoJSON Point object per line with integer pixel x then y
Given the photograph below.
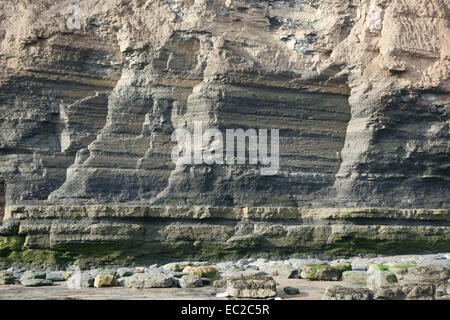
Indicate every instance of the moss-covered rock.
{"type": "Point", "coordinates": [82, 254]}
{"type": "Point", "coordinates": [10, 244]}
{"type": "Point", "coordinates": [373, 267]}
{"type": "Point", "coordinates": [66, 275]}
{"type": "Point", "coordinates": [322, 272]}
{"type": "Point", "coordinates": [401, 269]}
{"type": "Point", "coordinates": [355, 277]}
{"type": "Point", "coordinates": [203, 272]}
{"type": "Point", "coordinates": [96, 242]}
{"type": "Point", "coordinates": [104, 281]}
{"type": "Point", "coordinates": [37, 257]}
{"type": "Point", "coordinates": [381, 279]}
{"type": "Point", "coordinates": [343, 267]}
{"type": "Point", "coordinates": [287, 273]}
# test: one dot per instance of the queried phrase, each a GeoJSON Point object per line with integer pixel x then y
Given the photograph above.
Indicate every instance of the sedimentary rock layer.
{"type": "Point", "coordinates": [358, 89]}
{"type": "Point", "coordinates": [101, 234]}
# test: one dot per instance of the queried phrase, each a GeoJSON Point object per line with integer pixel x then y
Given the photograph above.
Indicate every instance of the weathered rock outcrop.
{"type": "Point", "coordinates": [359, 90]}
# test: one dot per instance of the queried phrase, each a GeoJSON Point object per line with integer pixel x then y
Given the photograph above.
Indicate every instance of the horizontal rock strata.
{"type": "Point", "coordinates": [358, 89]}
{"type": "Point", "coordinates": [124, 235]}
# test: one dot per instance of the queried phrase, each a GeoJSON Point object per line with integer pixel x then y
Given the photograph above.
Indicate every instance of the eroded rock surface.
{"type": "Point", "coordinates": [252, 287]}
{"type": "Point", "coordinates": [358, 89]}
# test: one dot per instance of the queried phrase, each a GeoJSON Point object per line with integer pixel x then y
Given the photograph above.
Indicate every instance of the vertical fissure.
{"type": "Point", "coordinates": [2, 199]}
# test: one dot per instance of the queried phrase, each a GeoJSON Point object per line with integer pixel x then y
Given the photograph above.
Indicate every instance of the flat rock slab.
{"type": "Point", "coordinates": [148, 280]}
{"type": "Point", "coordinates": [254, 287]}
{"type": "Point", "coordinates": [36, 282]}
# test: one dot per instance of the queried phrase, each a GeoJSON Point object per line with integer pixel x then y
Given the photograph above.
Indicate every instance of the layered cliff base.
{"type": "Point", "coordinates": [120, 235]}
{"type": "Point", "coordinates": [358, 89]}
{"type": "Point", "coordinates": [404, 277]}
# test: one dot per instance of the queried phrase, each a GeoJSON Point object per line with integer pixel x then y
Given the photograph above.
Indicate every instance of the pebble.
{"type": "Point", "coordinates": [291, 290]}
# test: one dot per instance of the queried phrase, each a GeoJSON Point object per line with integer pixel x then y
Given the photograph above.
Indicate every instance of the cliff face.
{"type": "Point", "coordinates": [359, 90]}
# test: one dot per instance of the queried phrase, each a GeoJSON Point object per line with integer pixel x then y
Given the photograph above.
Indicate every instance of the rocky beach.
{"type": "Point", "coordinates": [225, 149]}
{"type": "Point", "coordinates": [407, 277]}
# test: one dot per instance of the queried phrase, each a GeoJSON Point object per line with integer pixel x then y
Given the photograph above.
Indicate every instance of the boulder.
{"type": "Point", "coordinates": [221, 283]}
{"type": "Point", "coordinates": [190, 281]}
{"type": "Point", "coordinates": [95, 272]}
{"type": "Point", "coordinates": [104, 281]}
{"type": "Point", "coordinates": [381, 279]}
{"type": "Point", "coordinates": [391, 293]}
{"type": "Point", "coordinates": [427, 274]}
{"type": "Point", "coordinates": [271, 270]}
{"type": "Point", "coordinates": [347, 293]}
{"type": "Point", "coordinates": [442, 289]}
{"type": "Point", "coordinates": [419, 291]}
{"type": "Point", "coordinates": [153, 279]}
{"type": "Point", "coordinates": [80, 280]}
{"type": "Point", "coordinates": [203, 272]}
{"type": "Point", "coordinates": [344, 266]}
{"type": "Point", "coordinates": [321, 272]}
{"type": "Point", "coordinates": [355, 277]}
{"type": "Point", "coordinates": [229, 275]}
{"type": "Point", "coordinates": [253, 287]}
{"type": "Point", "coordinates": [234, 268]}
{"type": "Point", "coordinates": [30, 282]}
{"type": "Point", "coordinates": [176, 266]}
{"type": "Point", "coordinates": [401, 269]}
